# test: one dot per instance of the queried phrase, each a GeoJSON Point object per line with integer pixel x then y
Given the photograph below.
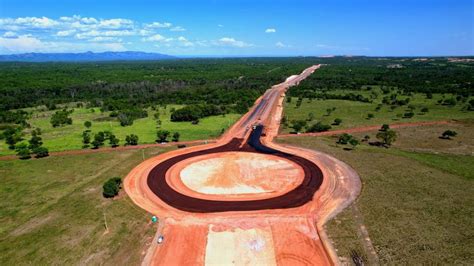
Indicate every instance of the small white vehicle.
{"type": "Point", "coordinates": [160, 239]}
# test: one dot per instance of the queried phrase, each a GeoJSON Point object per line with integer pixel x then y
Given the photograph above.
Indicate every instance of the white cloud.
{"type": "Point", "coordinates": [220, 26]}
{"type": "Point", "coordinates": [9, 34]}
{"type": "Point", "coordinates": [24, 44]}
{"type": "Point", "coordinates": [110, 33]}
{"type": "Point", "coordinates": [270, 30]}
{"type": "Point", "coordinates": [116, 23]}
{"type": "Point", "coordinates": [280, 45]}
{"type": "Point", "coordinates": [228, 41]}
{"type": "Point", "coordinates": [177, 28]}
{"type": "Point", "coordinates": [185, 42]}
{"type": "Point", "coordinates": [105, 39]}
{"type": "Point", "coordinates": [155, 25]}
{"type": "Point", "coordinates": [65, 33]}
{"type": "Point", "coordinates": [154, 38]}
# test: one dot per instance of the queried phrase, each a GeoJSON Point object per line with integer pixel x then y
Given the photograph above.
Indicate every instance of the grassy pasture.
{"type": "Point", "coordinates": [354, 114]}
{"type": "Point", "coordinates": [416, 198]}
{"type": "Point", "coordinates": [52, 211]}
{"type": "Point", "coordinates": [69, 137]}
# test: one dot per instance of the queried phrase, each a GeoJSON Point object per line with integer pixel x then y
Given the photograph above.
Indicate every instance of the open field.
{"type": "Point", "coordinates": [416, 199]}
{"type": "Point", "coordinates": [69, 137]}
{"type": "Point", "coordinates": [354, 114]}
{"type": "Point", "coordinates": [52, 211]}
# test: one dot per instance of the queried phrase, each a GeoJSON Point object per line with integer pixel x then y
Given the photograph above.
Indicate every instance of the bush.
{"type": "Point", "coordinates": [23, 151]}
{"type": "Point", "coordinates": [319, 127]}
{"type": "Point", "coordinates": [337, 121]}
{"type": "Point", "coordinates": [112, 187]}
{"type": "Point", "coordinates": [448, 134]}
{"type": "Point", "coordinates": [195, 111]}
{"type": "Point", "coordinates": [87, 124]}
{"type": "Point", "coordinates": [298, 125]}
{"type": "Point", "coordinates": [61, 118]}
{"type": "Point", "coordinates": [41, 152]}
{"type": "Point", "coordinates": [408, 115]}
{"type": "Point", "coordinates": [113, 141]}
{"type": "Point", "coordinates": [131, 139]}
{"type": "Point", "coordinates": [344, 138]}
{"type": "Point", "coordinates": [387, 137]}
{"type": "Point", "coordinates": [385, 127]}
{"type": "Point", "coordinates": [176, 137]}
{"type": "Point", "coordinates": [162, 135]}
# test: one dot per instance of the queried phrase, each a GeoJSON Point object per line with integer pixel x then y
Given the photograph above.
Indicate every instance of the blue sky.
{"type": "Point", "coordinates": [240, 27]}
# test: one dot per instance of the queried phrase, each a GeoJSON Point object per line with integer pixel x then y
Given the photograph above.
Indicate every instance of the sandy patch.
{"type": "Point", "coordinates": [240, 247]}
{"type": "Point", "coordinates": [240, 173]}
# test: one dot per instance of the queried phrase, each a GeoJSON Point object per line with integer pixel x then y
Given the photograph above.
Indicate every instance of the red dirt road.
{"type": "Point", "coordinates": [269, 235]}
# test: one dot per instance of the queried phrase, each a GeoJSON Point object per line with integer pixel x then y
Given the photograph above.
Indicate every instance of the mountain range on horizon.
{"type": "Point", "coordinates": [84, 57]}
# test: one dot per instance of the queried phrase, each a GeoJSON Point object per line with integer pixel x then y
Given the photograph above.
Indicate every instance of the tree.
{"type": "Point", "coordinates": [408, 114]}
{"type": "Point", "coordinates": [425, 110]}
{"type": "Point", "coordinates": [297, 125]}
{"type": "Point", "coordinates": [162, 135]}
{"type": "Point", "coordinates": [329, 111]}
{"type": "Point", "coordinates": [337, 121]}
{"type": "Point", "coordinates": [98, 141]}
{"type": "Point", "coordinates": [176, 137]}
{"type": "Point", "coordinates": [61, 118]}
{"type": "Point", "coordinates": [35, 141]}
{"type": "Point", "coordinates": [12, 136]}
{"type": "Point", "coordinates": [344, 138]}
{"type": "Point", "coordinates": [131, 139]}
{"type": "Point", "coordinates": [88, 124]}
{"type": "Point", "coordinates": [311, 116]}
{"type": "Point", "coordinates": [370, 116]}
{"type": "Point", "coordinates": [86, 138]}
{"type": "Point", "coordinates": [111, 187]}
{"type": "Point", "coordinates": [448, 134]}
{"type": "Point", "coordinates": [319, 127]}
{"type": "Point", "coordinates": [354, 142]}
{"type": "Point", "coordinates": [41, 152]}
{"type": "Point", "coordinates": [113, 141]}
{"type": "Point", "coordinates": [387, 137]}
{"type": "Point", "coordinates": [23, 151]}
{"type": "Point", "coordinates": [366, 138]}
{"type": "Point", "coordinates": [385, 127]}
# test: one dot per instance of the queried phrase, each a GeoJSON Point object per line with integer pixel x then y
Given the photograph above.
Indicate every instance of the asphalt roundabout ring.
{"type": "Point", "coordinates": [298, 196]}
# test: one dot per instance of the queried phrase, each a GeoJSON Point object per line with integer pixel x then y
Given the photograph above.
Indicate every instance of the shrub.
{"type": "Point", "coordinates": [408, 115]}
{"type": "Point", "coordinates": [111, 187]}
{"type": "Point", "coordinates": [387, 137]}
{"type": "Point", "coordinates": [298, 125]}
{"type": "Point", "coordinates": [61, 118]}
{"type": "Point", "coordinates": [162, 135]}
{"type": "Point", "coordinates": [337, 121]}
{"type": "Point", "coordinates": [370, 116]}
{"type": "Point", "coordinates": [41, 152]}
{"type": "Point", "coordinates": [344, 138]}
{"type": "Point", "coordinates": [448, 134]}
{"type": "Point", "coordinates": [131, 139]}
{"type": "Point", "coordinates": [384, 127]}
{"type": "Point", "coordinates": [23, 151]}
{"type": "Point", "coordinates": [176, 137]}
{"type": "Point", "coordinates": [87, 124]}
{"type": "Point", "coordinates": [319, 127]}
{"type": "Point", "coordinates": [113, 140]}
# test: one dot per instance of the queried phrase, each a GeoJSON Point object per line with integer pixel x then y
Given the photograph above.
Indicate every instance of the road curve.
{"type": "Point", "coordinates": [329, 186]}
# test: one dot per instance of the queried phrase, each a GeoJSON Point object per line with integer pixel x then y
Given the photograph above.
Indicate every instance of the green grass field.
{"type": "Point", "coordinates": [52, 211]}
{"type": "Point", "coordinates": [354, 114]}
{"type": "Point", "coordinates": [416, 199]}
{"type": "Point", "coordinates": [70, 137]}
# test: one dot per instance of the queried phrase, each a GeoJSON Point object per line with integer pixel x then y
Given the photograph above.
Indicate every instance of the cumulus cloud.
{"type": "Point", "coordinates": [154, 38]}
{"type": "Point", "coordinates": [9, 34]}
{"type": "Point", "coordinates": [228, 41]}
{"type": "Point", "coordinates": [25, 43]}
{"type": "Point", "coordinates": [157, 25]}
{"type": "Point", "coordinates": [280, 45]}
{"type": "Point", "coordinates": [270, 30]}
{"type": "Point", "coordinates": [177, 28]}
{"type": "Point", "coordinates": [111, 33]}
{"type": "Point", "coordinates": [65, 33]}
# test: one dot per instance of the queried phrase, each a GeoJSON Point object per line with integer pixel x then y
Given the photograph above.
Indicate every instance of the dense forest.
{"type": "Point", "coordinates": [432, 75]}
{"type": "Point", "coordinates": [226, 85]}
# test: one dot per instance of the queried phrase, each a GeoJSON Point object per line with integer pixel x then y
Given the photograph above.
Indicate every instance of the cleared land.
{"type": "Point", "coordinates": [70, 137]}
{"type": "Point", "coordinates": [354, 114]}
{"type": "Point", "coordinates": [416, 199]}
{"type": "Point", "coordinates": [55, 214]}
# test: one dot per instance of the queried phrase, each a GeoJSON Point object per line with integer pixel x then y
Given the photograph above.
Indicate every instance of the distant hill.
{"type": "Point", "coordinates": [84, 57]}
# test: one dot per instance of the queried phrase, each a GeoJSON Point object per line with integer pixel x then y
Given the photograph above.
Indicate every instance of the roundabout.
{"type": "Point", "coordinates": [244, 200]}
